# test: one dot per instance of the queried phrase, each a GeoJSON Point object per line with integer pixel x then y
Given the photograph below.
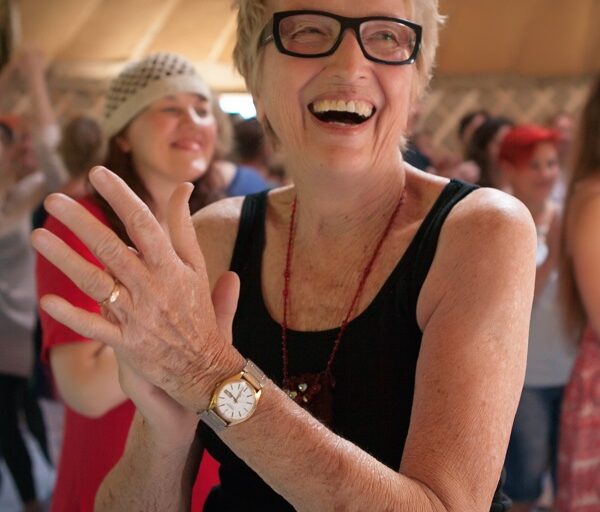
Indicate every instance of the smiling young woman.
{"type": "Point", "coordinates": [380, 317]}
{"type": "Point", "coordinates": [162, 130]}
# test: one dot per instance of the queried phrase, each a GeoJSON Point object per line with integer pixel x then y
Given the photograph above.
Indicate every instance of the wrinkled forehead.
{"type": "Point", "coordinates": [351, 8]}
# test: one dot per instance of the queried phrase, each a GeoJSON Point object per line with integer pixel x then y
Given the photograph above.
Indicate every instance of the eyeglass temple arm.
{"type": "Point", "coordinates": [267, 34]}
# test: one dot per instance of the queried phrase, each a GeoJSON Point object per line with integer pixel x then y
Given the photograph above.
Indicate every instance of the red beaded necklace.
{"type": "Point", "coordinates": [314, 392]}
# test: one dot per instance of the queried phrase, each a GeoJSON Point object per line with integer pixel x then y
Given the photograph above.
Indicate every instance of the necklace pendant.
{"type": "Point", "coordinates": [313, 392]}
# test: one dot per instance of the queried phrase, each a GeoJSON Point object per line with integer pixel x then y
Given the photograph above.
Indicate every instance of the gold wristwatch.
{"type": "Point", "coordinates": [234, 400]}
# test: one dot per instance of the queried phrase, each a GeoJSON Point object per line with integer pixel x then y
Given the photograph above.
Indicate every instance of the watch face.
{"type": "Point", "coordinates": [236, 401]}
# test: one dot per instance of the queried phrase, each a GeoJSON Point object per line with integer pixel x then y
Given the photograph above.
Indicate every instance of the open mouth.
{"type": "Point", "coordinates": [342, 112]}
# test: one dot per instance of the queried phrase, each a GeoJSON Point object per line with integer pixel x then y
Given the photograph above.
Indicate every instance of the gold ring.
{"type": "Point", "coordinates": [114, 295]}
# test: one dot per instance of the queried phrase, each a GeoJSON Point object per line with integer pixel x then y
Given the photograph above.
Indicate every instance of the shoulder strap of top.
{"type": "Point", "coordinates": [425, 243]}
{"type": "Point", "coordinates": [251, 232]}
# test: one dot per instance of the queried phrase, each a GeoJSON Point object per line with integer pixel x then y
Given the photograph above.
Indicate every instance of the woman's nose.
{"type": "Point", "coordinates": [349, 58]}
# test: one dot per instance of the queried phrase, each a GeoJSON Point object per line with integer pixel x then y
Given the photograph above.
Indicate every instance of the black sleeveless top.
{"type": "Point", "coordinates": [375, 365]}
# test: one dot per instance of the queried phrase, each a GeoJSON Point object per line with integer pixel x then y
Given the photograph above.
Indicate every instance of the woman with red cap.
{"type": "Point", "coordinates": [530, 164]}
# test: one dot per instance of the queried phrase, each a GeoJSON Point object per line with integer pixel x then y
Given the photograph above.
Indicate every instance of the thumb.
{"type": "Point", "coordinates": [225, 297]}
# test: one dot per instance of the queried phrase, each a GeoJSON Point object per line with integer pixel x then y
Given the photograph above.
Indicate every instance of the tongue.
{"type": "Point", "coordinates": [334, 116]}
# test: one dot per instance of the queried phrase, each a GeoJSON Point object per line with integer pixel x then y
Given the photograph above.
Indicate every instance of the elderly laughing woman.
{"type": "Point", "coordinates": [356, 341]}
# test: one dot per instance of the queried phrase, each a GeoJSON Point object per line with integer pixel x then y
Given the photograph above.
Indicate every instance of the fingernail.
{"type": "Point", "coordinates": [53, 203]}
{"type": "Point", "coordinates": [99, 173]}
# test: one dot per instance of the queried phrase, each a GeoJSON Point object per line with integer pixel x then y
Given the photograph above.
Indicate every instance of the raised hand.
{"type": "Point", "coordinates": [162, 319]}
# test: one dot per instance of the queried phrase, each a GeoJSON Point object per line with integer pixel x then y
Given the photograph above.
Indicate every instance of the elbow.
{"type": "Point", "coordinates": [92, 409]}
{"type": "Point", "coordinates": [87, 401]}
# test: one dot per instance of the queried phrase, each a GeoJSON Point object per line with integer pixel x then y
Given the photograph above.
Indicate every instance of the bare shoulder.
{"type": "Point", "coordinates": [483, 208]}
{"type": "Point", "coordinates": [488, 239]}
{"type": "Point", "coordinates": [488, 212]}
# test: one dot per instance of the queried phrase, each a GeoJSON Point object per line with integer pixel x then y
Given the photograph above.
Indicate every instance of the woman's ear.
{"type": "Point", "coordinates": [262, 118]}
{"type": "Point", "coordinates": [123, 143]}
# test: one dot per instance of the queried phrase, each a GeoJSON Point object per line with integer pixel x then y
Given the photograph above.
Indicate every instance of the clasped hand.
{"type": "Point", "coordinates": [164, 324]}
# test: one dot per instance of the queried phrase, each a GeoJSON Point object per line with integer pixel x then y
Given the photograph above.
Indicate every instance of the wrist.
{"type": "Point", "coordinates": [224, 364]}
{"type": "Point", "coordinates": [163, 442]}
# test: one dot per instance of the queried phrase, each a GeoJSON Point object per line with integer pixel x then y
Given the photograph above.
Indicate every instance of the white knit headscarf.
{"type": "Point", "coordinates": [145, 81]}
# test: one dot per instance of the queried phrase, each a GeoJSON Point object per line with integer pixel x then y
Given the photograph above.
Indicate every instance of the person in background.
{"type": "Point", "coordinates": [579, 450]}
{"type": "Point", "coordinates": [468, 124]}
{"type": "Point", "coordinates": [35, 170]}
{"type": "Point", "coordinates": [529, 161]}
{"type": "Point", "coordinates": [390, 377]}
{"type": "Point", "coordinates": [421, 153]}
{"type": "Point", "coordinates": [238, 180]}
{"type": "Point", "coordinates": [162, 128]}
{"type": "Point", "coordinates": [28, 172]}
{"type": "Point", "coordinates": [251, 148]}
{"type": "Point", "coordinates": [483, 150]}
{"type": "Point", "coordinates": [81, 147]}
{"type": "Point", "coordinates": [563, 125]}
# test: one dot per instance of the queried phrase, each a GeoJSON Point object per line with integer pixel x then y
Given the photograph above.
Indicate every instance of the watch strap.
{"type": "Point", "coordinates": [254, 375]}
{"type": "Point", "coordinates": [213, 420]}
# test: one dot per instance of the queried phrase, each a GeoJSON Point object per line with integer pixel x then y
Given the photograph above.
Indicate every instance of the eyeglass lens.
{"type": "Point", "coordinates": [313, 34]}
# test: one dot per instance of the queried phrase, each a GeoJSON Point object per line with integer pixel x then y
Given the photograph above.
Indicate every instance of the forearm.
{"type": "Point", "coordinates": [87, 381]}
{"type": "Point", "coordinates": [38, 89]}
{"type": "Point", "coordinates": [51, 163]}
{"type": "Point", "coordinates": [281, 442]}
{"type": "Point", "coordinates": [150, 476]}
{"type": "Point", "coordinates": [20, 201]}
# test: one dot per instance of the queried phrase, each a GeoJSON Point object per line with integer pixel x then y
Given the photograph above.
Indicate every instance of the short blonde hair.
{"type": "Point", "coordinates": [253, 15]}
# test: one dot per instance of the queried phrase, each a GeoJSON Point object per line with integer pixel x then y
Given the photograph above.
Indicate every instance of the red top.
{"type": "Point", "coordinates": [91, 447]}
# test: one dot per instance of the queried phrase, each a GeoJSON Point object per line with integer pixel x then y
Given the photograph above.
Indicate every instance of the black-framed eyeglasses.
{"type": "Point", "coordinates": [312, 34]}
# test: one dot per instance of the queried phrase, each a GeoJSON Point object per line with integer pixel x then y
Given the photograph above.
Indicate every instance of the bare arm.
{"type": "Point", "coordinates": [475, 323]}
{"type": "Point", "coordinates": [20, 200]}
{"type": "Point", "coordinates": [87, 377]}
{"type": "Point", "coordinates": [553, 241]}
{"type": "Point", "coordinates": [32, 68]}
{"type": "Point", "coordinates": [46, 132]}
{"type": "Point", "coordinates": [469, 377]}
{"type": "Point", "coordinates": [585, 252]}
{"type": "Point", "coordinates": [150, 476]}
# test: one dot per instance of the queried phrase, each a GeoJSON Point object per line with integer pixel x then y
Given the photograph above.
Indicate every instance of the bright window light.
{"type": "Point", "coordinates": [237, 103]}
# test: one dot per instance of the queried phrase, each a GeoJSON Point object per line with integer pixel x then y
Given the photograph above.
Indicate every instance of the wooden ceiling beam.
{"type": "Point", "coordinates": [220, 76]}
{"type": "Point", "coordinates": [225, 36]}
{"type": "Point", "coordinates": [155, 27]}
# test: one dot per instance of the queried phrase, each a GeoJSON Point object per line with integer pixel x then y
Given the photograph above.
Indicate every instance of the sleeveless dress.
{"type": "Point", "coordinates": [579, 448]}
{"type": "Point", "coordinates": [375, 364]}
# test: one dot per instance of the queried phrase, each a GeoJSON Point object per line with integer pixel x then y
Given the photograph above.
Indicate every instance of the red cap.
{"type": "Point", "coordinates": [520, 142]}
{"type": "Point", "coordinates": [11, 120]}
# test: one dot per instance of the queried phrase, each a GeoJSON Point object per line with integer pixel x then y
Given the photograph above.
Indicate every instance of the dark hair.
{"type": "Point", "coordinates": [207, 189]}
{"type": "Point", "coordinates": [249, 138]}
{"type": "Point", "coordinates": [7, 135]}
{"type": "Point", "coordinates": [82, 145]}
{"type": "Point", "coordinates": [467, 119]}
{"type": "Point", "coordinates": [478, 147]}
{"type": "Point", "coordinates": [521, 141]}
{"type": "Point", "coordinates": [585, 163]}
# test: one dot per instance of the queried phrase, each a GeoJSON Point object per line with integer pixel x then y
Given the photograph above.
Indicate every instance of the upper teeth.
{"type": "Point", "coordinates": [361, 108]}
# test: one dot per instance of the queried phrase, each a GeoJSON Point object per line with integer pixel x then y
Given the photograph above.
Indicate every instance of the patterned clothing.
{"type": "Point", "coordinates": [579, 451]}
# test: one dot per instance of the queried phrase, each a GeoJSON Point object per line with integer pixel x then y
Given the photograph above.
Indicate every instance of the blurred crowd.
{"type": "Point", "coordinates": [553, 167]}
